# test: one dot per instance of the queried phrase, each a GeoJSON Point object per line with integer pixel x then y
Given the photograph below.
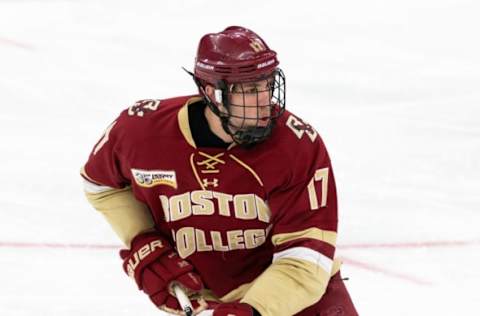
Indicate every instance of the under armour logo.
{"type": "Point", "coordinates": [207, 183]}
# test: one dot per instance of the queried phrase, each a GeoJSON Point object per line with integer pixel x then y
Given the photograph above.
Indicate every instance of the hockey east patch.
{"type": "Point", "coordinates": [151, 178]}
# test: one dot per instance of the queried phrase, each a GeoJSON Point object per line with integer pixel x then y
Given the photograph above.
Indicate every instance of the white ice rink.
{"type": "Point", "coordinates": [393, 87]}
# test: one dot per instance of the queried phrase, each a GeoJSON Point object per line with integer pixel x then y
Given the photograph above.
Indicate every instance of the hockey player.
{"type": "Point", "coordinates": [224, 193]}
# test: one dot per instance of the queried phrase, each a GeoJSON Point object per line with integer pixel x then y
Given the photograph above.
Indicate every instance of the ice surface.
{"type": "Point", "coordinates": [392, 87]}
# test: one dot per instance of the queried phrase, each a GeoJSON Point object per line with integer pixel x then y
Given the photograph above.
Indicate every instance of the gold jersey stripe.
{"type": "Point", "coordinates": [127, 216]}
{"type": "Point", "coordinates": [248, 168]}
{"type": "Point", "coordinates": [327, 236]}
{"type": "Point", "coordinates": [237, 293]}
{"type": "Point", "coordinates": [183, 121]}
{"type": "Point", "coordinates": [192, 163]}
{"type": "Point", "coordinates": [291, 284]}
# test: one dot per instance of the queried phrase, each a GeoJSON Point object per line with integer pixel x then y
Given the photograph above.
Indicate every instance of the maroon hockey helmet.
{"type": "Point", "coordinates": [234, 55]}
{"type": "Point", "coordinates": [232, 61]}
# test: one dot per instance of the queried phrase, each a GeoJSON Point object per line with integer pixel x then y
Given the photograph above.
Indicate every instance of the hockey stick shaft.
{"type": "Point", "coordinates": [183, 300]}
{"type": "Point", "coordinates": [186, 304]}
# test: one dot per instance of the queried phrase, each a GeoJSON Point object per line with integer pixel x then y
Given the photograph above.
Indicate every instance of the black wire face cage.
{"type": "Point", "coordinates": [252, 107]}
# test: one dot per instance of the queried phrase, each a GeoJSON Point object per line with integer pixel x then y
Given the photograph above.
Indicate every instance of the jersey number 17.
{"type": "Point", "coordinates": [320, 175]}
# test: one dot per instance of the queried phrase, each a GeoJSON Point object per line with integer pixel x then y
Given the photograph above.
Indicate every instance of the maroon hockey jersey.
{"type": "Point", "coordinates": [230, 212]}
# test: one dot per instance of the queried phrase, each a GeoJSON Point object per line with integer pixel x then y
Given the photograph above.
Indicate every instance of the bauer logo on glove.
{"type": "Point", "coordinates": [141, 254]}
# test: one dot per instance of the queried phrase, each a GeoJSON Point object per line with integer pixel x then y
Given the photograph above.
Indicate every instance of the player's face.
{"type": "Point", "coordinates": [251, 108]}
{"type": "Point", "coordinates": [250, 104]}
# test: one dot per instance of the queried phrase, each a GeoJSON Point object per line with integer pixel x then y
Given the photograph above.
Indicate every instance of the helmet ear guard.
{"type": "Point", "coordinates": [218, 96]}
{"type": "Point", "coordinates": [218, 92]}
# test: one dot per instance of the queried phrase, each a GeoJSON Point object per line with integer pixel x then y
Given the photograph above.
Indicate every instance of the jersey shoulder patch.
{"type": "Point", "coordinates": [143, 107]}
{"type": "Point", "coordinates": [300, 128]}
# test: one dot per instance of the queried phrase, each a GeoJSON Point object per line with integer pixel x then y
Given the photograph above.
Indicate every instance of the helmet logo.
{"type": "Point", "coordinates": [257, 46]}
{"type": "Point", "coordinates": [266, 63]}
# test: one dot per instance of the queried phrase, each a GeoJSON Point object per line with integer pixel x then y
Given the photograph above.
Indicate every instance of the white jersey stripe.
{"type": "Point", "coordinates": [95, 188]}
{"type": "Point", "coordinates": [307, 254]}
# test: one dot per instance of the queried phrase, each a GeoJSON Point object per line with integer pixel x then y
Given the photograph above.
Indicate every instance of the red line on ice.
{"type": "Point", "coordinates": [15, 43]}
{"type": "Point", "coordinates": [386, 272]}
{"type": "Point", "coordinates": [427, 244]}
{"type": "Point", "coordinates": [56, 245]}
{"type": "Point", "coordinates": [424, 244]}
{"type": "Point", "coordinates": [355, 263]}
